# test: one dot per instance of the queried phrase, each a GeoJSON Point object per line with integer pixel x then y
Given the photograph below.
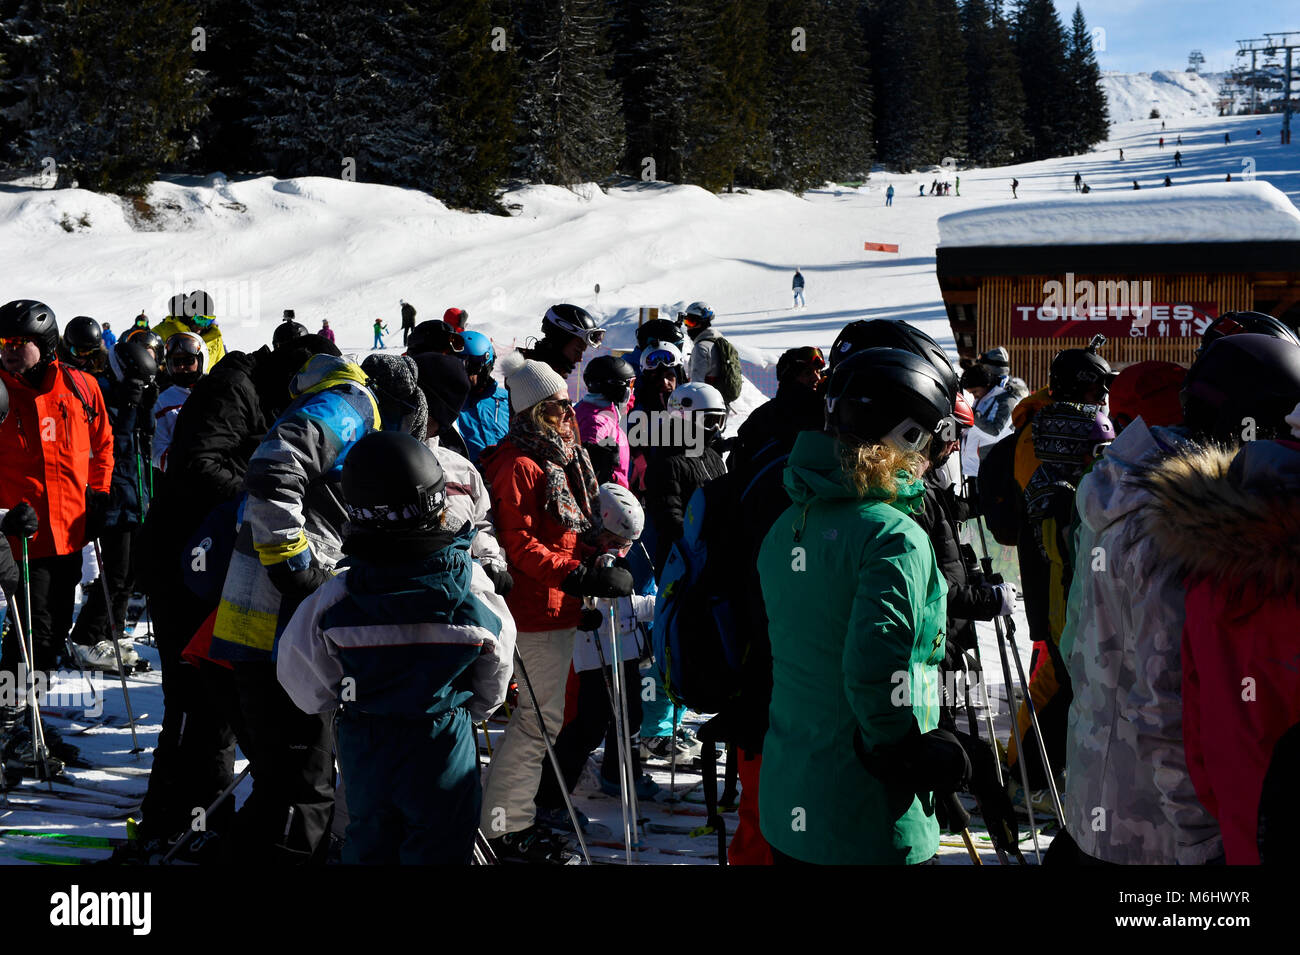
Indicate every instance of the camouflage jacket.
{"type": "Point", "coordinates": [1128, 797]}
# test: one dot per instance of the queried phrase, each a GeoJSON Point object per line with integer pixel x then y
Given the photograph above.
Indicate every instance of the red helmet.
{"type": "Point", "coordinates": [457, 318]}
{"type": "Point", "coordinates": [961, 410]}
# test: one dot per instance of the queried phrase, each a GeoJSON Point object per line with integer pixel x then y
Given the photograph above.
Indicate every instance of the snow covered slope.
{"type": "Point", "coordinates": [349, 251]}
{"type": "Point", "coordinates": [1176, 93]}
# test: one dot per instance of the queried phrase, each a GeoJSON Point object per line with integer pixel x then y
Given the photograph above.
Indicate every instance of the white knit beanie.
{"type": "Point", "coordinates": [529, 381]}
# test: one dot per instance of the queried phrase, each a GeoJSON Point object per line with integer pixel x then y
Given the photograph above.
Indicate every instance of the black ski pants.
{"type": "Point", "coordinates": [92, 626]}
{"type": "Point", "coordinates": [593, 721]}
{"type": "Point", "coordinates": [287, 817]}
{"type": "Point", "coordinates": [54, 592]}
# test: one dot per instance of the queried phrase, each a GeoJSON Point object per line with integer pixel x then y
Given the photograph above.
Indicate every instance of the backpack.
{"type": "Point", "coordinates": [698, 646]}
{"type": "Point", "coordinates": [731, 378]}
{"type": "Point", "coordinates": [1000, 495]}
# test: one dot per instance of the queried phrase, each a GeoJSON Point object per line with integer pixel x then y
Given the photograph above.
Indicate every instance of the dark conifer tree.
{"type": "Point", "coordinates": [1045, 77]}
{"type": "Point", "coordinates": [996, 101]}
{"type": "Point", "coordinates": [108, 91]}
{"type": "Point", "coordinates": [906, 64]}
{"type": "Point", "coordinates": [570, 109]}
{"type": "Point", "coordinates": [1088, 100]}
{"type": "Point", "coordinates": [950, 74]}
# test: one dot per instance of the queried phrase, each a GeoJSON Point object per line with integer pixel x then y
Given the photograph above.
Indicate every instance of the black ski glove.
{"type": "Point", "coordinates": [590, 620]}
{"type": "Point", "coordinates": [502, 582]}
{"type": "Point", "coordinates": [21, 521]}
{"type": "Point", "coordinates": [297, 585]}
{"type": "Point", "coordinates": [96, 513]}
{"type": "Point", "coordinates": [932, 762]}
{"type": "Point", "coordinates": [131, 392]}
{"type": "Point", "coordinates": [593, 580]}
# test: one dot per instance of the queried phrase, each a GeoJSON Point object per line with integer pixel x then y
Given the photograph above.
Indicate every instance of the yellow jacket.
{"type": "Point", "coordinates": [211, 336]}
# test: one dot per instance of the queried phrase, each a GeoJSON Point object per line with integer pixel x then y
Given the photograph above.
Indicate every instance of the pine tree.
{"type": "Point", "coordinates": [950, 114]}
{"type": "Point", "coordinates": [473, 105]}
{"type": "Point", "coordinates": [996, 101]}
{"type": "Point", "coordinates": [907, 65]}
{"type": "Point", "coordinates": [662, 79]}
{"type": "Point", "coordinates": [226, 138]}
{"type": "Point", "coordinates": [1044, 75]}
{"type": "Point", "coordinates": [108, 90]}
{"type": "Point", "coordinates": [726, 124]}
{"type": "Point", "coordinates": [852, 143]}
{"type": "Point", "coordinates": [570, 111]}
{"type": "Point", "coordinates": [1088, 100]}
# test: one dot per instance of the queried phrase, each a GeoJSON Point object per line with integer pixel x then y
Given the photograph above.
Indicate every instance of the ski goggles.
{"type": "Point", "coordinates": [660, 358]}
{"type": "Point", "coordinates": [713, 420]}
{"type": "Point", "coordinates": [911, 435]}
{"type": "Point", "coordinates": [592, 336]}
{"type": "Point", "coordinates": [474, 363]}
{"type": "Point", "coordinates": [16, 342]}
{"type": "Point", "coordinates": [203, 321]}
{"type": "Point", "coordinates": [690, 321]}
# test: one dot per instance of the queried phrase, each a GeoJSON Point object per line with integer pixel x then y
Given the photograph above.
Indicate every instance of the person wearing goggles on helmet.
{"type": "Point", "coordinates": [435, 335]}
{"type": "Point", "coordinates": [194, 313]}
{"type": "Point", "coordinates": [689, 461]}
{"type": "Point", "coordinates": [184, 363]}
{"type": "Point", "coordinates": [609, 380]}
{"type": "Point", "coordinates": [567, 331]}
{"type": "Point", "coordinates": [83, 345]}
{"type": "Point", "coordinates": [861, 600]}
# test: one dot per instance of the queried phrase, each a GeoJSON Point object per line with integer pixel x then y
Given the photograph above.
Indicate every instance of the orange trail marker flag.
{"type": "Point", "coordinates": [879, 247]}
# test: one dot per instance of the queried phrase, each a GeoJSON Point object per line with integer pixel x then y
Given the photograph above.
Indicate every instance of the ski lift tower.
{"type": "Point", "coordinates": [1195, 60]}
{"type": "Point", "coordinates": [1271, 44]}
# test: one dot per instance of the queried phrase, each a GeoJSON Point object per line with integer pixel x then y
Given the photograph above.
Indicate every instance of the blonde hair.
{"type": "Point", "coordinates": [876, 466]}
{"type": "Point", "coordinates": [547, 422]}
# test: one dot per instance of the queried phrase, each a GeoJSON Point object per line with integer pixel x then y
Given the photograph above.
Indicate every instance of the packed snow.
{"type": "Point", "coordinates": [348, 252]}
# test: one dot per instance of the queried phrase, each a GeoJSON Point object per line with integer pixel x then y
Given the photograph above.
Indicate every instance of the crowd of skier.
{"type": "Point", "coordinates": [349, 568]}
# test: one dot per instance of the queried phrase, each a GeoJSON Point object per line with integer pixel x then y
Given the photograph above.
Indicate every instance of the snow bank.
{"type": "Point", "coordinates": [1213, 212]}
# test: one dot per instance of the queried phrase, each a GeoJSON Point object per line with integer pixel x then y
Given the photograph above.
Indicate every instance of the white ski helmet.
{"type": "Point", "coordinates": [661, 355]}
{"type": "Point", "coordinates": [620, 512]}
{"type": "Point", "coordinates": [697, 398]}
{"type": "Point", "coordinates": [698, 313]}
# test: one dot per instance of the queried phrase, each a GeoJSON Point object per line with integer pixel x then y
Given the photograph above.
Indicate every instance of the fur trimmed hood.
{"type": "Point", "coordinates": [1229, 513]}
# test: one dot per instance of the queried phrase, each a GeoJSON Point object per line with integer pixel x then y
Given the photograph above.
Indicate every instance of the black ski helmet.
{"type": "Point", "coordinates": [891, 395]}
{"type": "Point", "coordinates": [4, 402]}
{"type": "Point", "coordinates": [135, 360]}
{"type": "Point", "coordinates": [82, 336]}
{"type": "Point", "coordinates": [1250, 323]}
{"type": "Point", "coordinates": [150, 339]}
{"type": "Point", "coordinates": [570, 321]}
{"type": "Point", "coordinates": [660, 330]}
{"type": "Point", "coordinates": [610, 377]}
{"type": "Point", "coordinates": [886, 333]}
{"type": "Point", "coordinates": [286, 332]}
{"type": "Point", "coordinates": [434, 335]}
{"type": "Point", "coordinates": [1239, 377]}
{"type": "Point", "coordinates": [27, 318]}
{"type": "Point", "coordinates": [186, 343]}
{"type": "Point", "coordinates": [391, 481]}
{"type": "Point", "coordinates": [1075, 371]}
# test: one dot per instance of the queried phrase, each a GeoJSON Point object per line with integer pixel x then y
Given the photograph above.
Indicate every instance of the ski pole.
{"type": "Point", "coordinates": [973, 723]}
{"type": "Point", "coordinates": [624, 728]}
{"type": "Point", "coordinates": [550, 751]}
{"type": "Point", "coordinates": [616, 716]}
{"type": "Point", "coordinates": [1009, 636]}
{"type": "Point", "coordinates": [180, 843]}
{"type": "Point", "coordinates": [986, 563]}
{"type": "Point", "coordinates": [117, 650]}
{"type": "Point", "coordinates": [39, 748]}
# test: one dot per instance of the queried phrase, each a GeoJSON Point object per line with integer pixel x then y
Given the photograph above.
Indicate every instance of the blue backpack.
{"type": "Point", "coordinates": [697, 645]}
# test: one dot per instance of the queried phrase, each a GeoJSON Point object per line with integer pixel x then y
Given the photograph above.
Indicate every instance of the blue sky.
{"type": "Point", "coordinates": [1146, 35]}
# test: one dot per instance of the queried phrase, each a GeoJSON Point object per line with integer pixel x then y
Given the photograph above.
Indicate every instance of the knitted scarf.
{"type": "Point", "coordinates": [571, 490]}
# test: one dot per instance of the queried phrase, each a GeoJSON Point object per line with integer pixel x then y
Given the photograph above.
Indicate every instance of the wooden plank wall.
{"type": "Point", "coordinates": [1031, 357]}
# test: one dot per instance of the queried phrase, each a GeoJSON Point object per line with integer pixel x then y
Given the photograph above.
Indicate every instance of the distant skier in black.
{"type": "Point", "coordinates": [1168, 181]}
{"type": "Point", "coordinates": [1229, 178]}
{"type": "Point", "coordinates": [1078, 182]}
{"type": "Point", "coordinates": [1226, 139]}
{"type": "Point", "coordinates": [1180, 139]}
{"type": "Point", "coordinates": [1015, 184]}
{"type": "Point", "coordinates": [1135, 185]}
{"type": "Point", "coordinates": [408, 321]}
{"type": "Point", "coordinates": [1178, 159]}
{"type": "Point", "coordinates": [1121, 155]}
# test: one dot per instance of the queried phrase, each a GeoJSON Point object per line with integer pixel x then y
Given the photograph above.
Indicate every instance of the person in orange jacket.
{"type": "Point", "coordinates": [56, 454]}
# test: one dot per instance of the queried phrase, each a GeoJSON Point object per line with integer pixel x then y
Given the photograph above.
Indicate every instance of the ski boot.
{"type": "Point", "coordinates": [533, 845]}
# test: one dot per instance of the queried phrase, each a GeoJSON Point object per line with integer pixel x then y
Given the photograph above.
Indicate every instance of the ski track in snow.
{"type": "Point", "coordinates": [348, 251]}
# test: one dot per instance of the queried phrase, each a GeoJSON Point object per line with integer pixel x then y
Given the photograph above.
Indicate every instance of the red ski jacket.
{"type": "Point", "coordinates": [541, 551]}
{"type": "Point", "coordinates": [56, 442]}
